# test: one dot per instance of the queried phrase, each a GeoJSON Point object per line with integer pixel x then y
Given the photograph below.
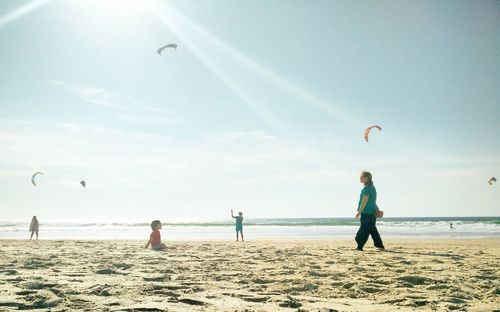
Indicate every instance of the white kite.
{"type": "Point", "coordinates": [170, 45]}
{"type": "Point", "coordinates": [33, 177]}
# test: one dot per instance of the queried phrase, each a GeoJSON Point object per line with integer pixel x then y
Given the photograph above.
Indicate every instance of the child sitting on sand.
{"type": "Point", "coordinates": [154, 238]}
{"type": "Point", "coordinates": [239, 224]}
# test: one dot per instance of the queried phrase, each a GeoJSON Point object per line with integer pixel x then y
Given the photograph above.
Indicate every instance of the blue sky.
{"type": "Point", "coordinates": [261, 108]}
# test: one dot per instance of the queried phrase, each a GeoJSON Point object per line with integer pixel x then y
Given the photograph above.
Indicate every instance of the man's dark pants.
{"type": "Point", "coordinates": [366, 229]}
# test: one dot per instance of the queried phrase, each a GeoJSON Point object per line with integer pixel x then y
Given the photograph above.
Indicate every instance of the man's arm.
{"type": "Point", "coordinates": [232, 216]}
{"type": "Point", "coordinates": [362, 206]}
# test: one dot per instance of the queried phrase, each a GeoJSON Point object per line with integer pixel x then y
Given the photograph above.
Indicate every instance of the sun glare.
{"type": "Point", "coordinates": [104, 21]}
{"type": "Point", "coordinates": [122, 8]}
{"type": "Point", "coordinates": [109, 11]}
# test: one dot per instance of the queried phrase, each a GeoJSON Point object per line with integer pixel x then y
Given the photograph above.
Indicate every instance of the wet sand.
{"type": "Point", "coordinates": [273, 275]}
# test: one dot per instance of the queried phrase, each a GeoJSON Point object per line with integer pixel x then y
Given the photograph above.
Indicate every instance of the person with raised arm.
{"type": "Point", "coordinates": [239, 224]}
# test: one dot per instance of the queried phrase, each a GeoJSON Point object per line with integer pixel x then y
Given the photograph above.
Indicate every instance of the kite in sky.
{"type": "Point", "coordinates": [170, 45]}
{"type": "Point", "coordinates": [367, 131]}
{"type": "Point", "coordinates": [33, 177]}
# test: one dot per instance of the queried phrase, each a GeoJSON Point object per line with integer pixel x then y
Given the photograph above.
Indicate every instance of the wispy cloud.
{"type": "Point", "coordinates": [147, 120]}
{"type": "Point", "coordinates": [98, 96]}
{"type": "Point", "coordinates": [70, 126]}
{"type": "Point", "coordinates": [219, 154]}
{"type": "Point", "coordinates": [130, 110]}
{"type": "Point", "coordinates": [241, 136]}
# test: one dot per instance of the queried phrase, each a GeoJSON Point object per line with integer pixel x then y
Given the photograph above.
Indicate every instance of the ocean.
{"type": "Point", "coordinates": [281, 228]}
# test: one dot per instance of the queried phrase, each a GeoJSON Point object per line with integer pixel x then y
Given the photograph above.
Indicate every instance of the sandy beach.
{"type": "Point", "coordinates": [277, 275]}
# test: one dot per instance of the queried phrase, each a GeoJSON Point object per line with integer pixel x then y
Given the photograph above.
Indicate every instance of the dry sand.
{"type": "Point", "coordinates": [275, 275]}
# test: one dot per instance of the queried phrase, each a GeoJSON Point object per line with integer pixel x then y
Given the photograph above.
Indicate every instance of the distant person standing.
{"type": "Point", "coordinates": [451, 226]}
{"type": "Point", "coordinates": [239, 224]}
{"type": "Point", "coordinates": [367, 208]}
{"type": "Point", "coordinates": [34, 226]}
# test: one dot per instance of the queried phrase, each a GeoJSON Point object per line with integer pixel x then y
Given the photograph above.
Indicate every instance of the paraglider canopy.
{"type": "Point", "coordinates": [492, 179]}
{"type": "Point", "coordinates": [170, 45]}
{"type": "Point", "coordinates": [82, 182]}
{"type": "Point", "coordinates": [367, 131]}
{"type": "Point", "coordinates": [33, 177]}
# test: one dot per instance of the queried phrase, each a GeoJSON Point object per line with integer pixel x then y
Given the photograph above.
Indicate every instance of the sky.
{"type": "Point", "coordinates": [260, 109]}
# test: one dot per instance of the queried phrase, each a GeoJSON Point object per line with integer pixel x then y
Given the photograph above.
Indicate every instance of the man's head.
{"type": "Point", "coordinates": [366, 178]}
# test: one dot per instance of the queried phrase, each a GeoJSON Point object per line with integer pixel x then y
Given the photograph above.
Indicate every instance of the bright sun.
{"type": "Point", "coordinates": [108, 11]}
{"type": "Point", "coordinates": [105, 20]}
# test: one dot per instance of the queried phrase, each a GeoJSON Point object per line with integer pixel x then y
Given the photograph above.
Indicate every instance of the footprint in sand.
{"type": "Point", "coordinates": [123, 266]}
{"type": "Point", "coordinates": [418, 303]}
{"type": "Point", "coordinates": [75, 274]}
{"type": "Point", "coordinates": [304, 288]}
{"type": "Point", "coordinates": [9, 272]}
{"type": "Point", "coordinates": [348, 285]}
{"type": "Point", "coordinates": [371, 289]}
{"type": "Point", "coordinates": [15, 305]}
{"type": "Point", "coordinates": [382, 281]}
{"type": "Point", "coordinates": [25, 292]}
{"type": "Point", "coordinates": [43, 299]}
{"type": "Point", "coordinates": [37, 285]}
{"type": "Point", "coordinates": [416, 280]}
{"type": "Point", "coordinates": [318, 274]}
{"type": "Point", "coordinates": [263, 281]}
{"type": "Point", "coordinates": [15, 280]}
{"type": "Point", "coordinates": [290, 303]}
{"type": "Point", "coordinates": [192, 301]}
{"type": "Point", "coordinates": [99, 290]}
{"type": "Point", "coordinates": [33, 264]}
{"type": "Point", "coordinates": [105, 271]}
{"type": "Point", "coordinates": [250, 298]}
{"type": "Point", "coordinates": [145, 309]}
{"type": "Point", "coordinates": [160, 278]}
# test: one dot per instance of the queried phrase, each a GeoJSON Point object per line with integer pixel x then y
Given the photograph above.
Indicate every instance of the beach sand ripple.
{"type": "Point", "coordinates": [441, 275]}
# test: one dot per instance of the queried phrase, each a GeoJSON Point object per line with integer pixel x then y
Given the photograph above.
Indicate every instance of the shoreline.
{"type": "Point", "coordinates": [284, 228]}
{"type": "Point", "coordinates": [446, 240]}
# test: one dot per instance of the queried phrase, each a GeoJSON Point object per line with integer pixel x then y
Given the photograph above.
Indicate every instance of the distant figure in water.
{"type": "Point", "coordinates": [239, 224]}
{"type": "Point", "coordinates": [155, 238]}
{"type": "Point", "coordinates": [451, 226]}
{"type": "Point", "coordinates": [34, 226]}
{"type": "Point", "coordinates": [367, 208]}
